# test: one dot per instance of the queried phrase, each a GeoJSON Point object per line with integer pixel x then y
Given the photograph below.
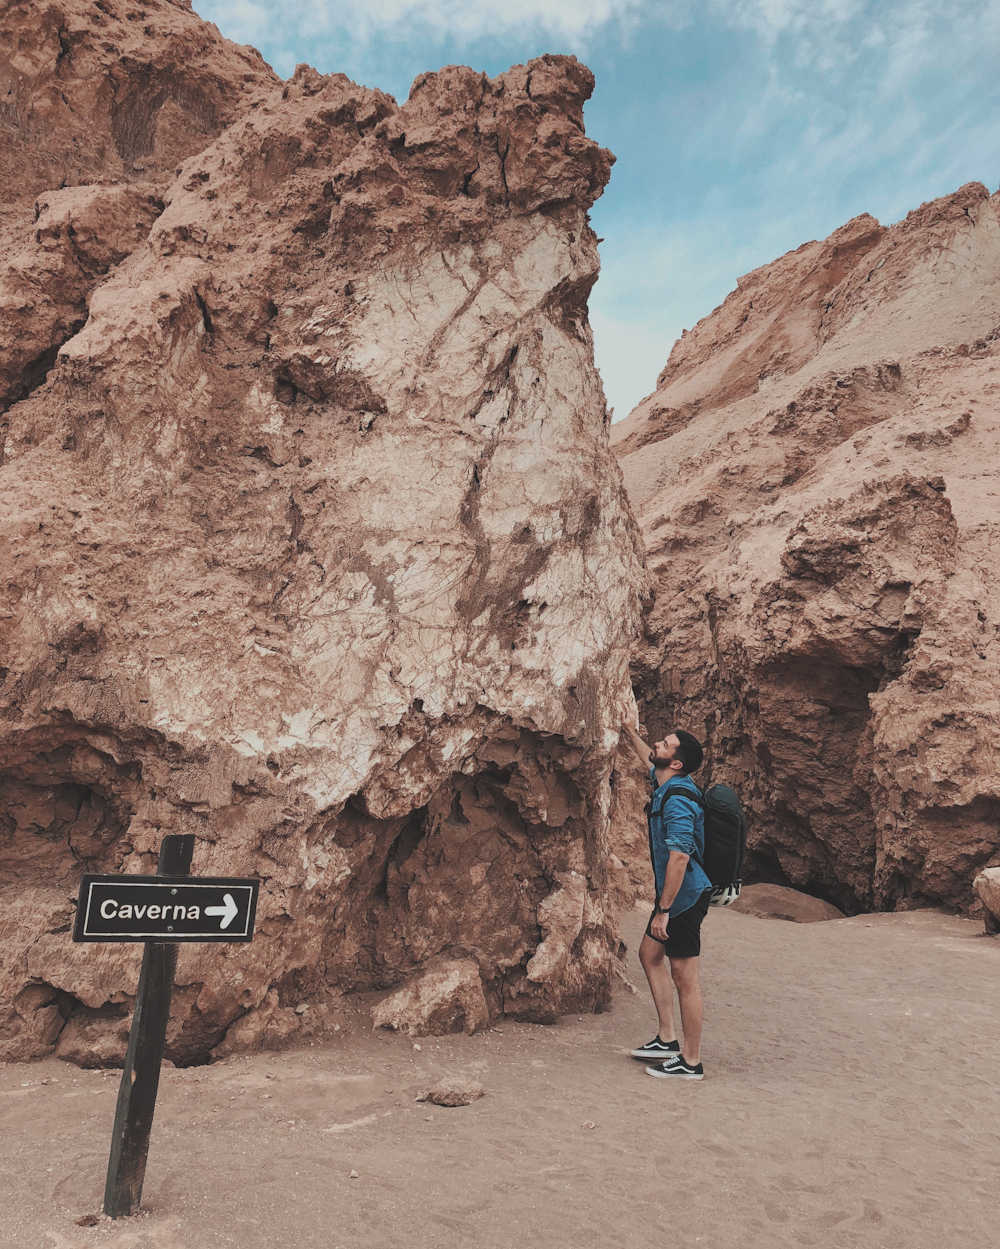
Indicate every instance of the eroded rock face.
{"type": "Point", "coordinates": [314, 548]}
{"type": "Point", "coordinates": [98, 105]}
{"type": "Point", "coordinates": [816, 477]}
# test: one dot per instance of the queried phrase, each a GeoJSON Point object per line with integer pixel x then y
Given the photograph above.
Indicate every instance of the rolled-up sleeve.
{"type": "Point", "coordinates": [679, 824]}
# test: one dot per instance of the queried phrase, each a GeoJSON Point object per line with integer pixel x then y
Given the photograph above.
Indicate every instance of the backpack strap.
{"type": "Point", "coordinates": [655, 804]}
{"type": "Point", "coordinates": [674, 791]}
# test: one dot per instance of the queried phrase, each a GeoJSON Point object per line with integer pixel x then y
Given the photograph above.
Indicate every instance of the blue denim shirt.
{"type": "Point", "coordinates": [678, 824]}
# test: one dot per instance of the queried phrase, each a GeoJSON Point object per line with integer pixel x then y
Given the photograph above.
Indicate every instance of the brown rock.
{"type": "Point", "coordinates": [987, 886]}
{"type": "Point", "coordinates": [32, 1025]}
{"type": "Point", "coordinates": [94, 1039]}
{"type": "Point", "coordinates": [96, 94]}
{"type": "Point", "coordinates": [777, 902]}
{"type": "Point", "coordinates": [101, 109]}
{"type": "Point", "coordinates": [313, 545]}
{"type": "Point", "coordinates": [453, 1091]}
{"type": "Point", "coordinates": [812, 483]}
{"type": "Point", "coordinates": [448, 997]}
{"type": "Point", "coordinates": [79, 234]}
{"type": "Point", "coordinates": [269, 1027]}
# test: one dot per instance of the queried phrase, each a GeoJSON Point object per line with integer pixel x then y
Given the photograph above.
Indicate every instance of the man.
{"type": "Point", "coordinates": [673, 935]}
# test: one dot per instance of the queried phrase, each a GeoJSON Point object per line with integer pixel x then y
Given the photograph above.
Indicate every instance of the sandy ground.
{"type": "Point", "coordinates": [851, 1098]}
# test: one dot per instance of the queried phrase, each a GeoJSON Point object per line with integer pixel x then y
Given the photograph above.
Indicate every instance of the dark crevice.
{"type": "Point", "coordinates": [503, 166]}
{"type": "Point", "coordinates": [206, 316]}
{"type": "Point", "coordinates": [36, 372]}
{"type": "Point", "coordinates": [65, 51]}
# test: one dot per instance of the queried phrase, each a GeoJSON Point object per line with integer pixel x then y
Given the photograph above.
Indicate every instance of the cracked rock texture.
{"type": "Point", "coordinates": [312, 541]}
{"type": "Point", "coordinates": [817, 477]}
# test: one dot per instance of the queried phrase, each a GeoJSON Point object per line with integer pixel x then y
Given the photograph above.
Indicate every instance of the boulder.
{"type": "Point", "coordinates": [269, 1027]}
{"type": "Point", "coordinates": [448, 997]}
{"type": "Point", "coordinates": [779, 902]}
{"type": "Point", "coordinates": [359, 616]}
{"type": "Point", "coordinates": [33, 1024]}
{"type": "Point", "coordinates": [94, 1038]}
{"type": "Point", "coordinates": [453, 1091]}
{"type": "Point", "coordinates": [987, 886]}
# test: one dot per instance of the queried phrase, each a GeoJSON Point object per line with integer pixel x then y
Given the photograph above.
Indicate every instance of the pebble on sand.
{"type": "Point", "coordinates": [452, 1091]}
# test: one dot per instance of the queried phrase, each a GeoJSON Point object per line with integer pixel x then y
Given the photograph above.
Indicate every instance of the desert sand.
{"type": "Point", "coordinates": [850, 1100]}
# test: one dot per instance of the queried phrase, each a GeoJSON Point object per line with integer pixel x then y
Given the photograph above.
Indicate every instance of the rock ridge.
{"type": "Point", "coordinates": [815, 477]}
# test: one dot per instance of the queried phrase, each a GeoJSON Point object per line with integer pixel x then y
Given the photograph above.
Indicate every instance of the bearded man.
{"type": "Point", "coordinates": [671, 947]}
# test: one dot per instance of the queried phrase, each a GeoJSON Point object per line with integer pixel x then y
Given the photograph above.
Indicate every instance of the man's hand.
{"type": "Point", "coordinates": [658, 927]}
{"type": "Point", "coordinates": [630, 728]}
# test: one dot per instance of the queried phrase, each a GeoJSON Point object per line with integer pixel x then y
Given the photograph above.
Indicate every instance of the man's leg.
{"type": "Point", "coordinates": [688, 982]}
{"type": "Point", "coordinates": [654, 964]}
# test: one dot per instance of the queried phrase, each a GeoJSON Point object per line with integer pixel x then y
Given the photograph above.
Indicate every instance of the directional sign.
{"type": "Point", "coordinates": [165, 908]}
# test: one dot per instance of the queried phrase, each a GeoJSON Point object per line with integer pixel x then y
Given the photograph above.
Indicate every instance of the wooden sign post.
{"type": "Point", "coordinates": [160, 910]}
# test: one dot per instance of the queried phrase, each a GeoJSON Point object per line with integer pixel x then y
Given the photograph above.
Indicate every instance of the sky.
{"type": "Point", "coordinates": [742, 128]}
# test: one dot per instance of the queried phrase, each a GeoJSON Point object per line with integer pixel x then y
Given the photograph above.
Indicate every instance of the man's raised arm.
{"type": "Point", "coordinates": [630, 727]}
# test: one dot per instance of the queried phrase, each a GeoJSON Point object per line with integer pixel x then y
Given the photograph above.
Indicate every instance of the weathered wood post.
{"type": "Point", "coordinates": [161, 911]}
{"type": "Point", "coordinates": [141, 1076]}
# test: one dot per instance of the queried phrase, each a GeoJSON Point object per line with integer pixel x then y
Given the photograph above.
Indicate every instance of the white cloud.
{"type": "Point", "coordinates": [828, 36]}
{"type": "Point", "coordinates": [897, 38]}
{"type": "Point", "coordinates": [365, 20]}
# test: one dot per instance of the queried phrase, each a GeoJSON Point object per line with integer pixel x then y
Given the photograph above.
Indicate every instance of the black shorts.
{"type": "Point", "coordinates": [684, 930]}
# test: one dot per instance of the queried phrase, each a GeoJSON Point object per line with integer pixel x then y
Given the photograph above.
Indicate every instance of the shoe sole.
{"type": "Point", "coordinates": [669, 1075]}
{"type": "Point", "coordinates": [662, 1055]}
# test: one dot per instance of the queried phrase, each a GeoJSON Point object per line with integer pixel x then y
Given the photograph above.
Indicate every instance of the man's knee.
{"type": "Point", "coordinates": [650, 952]}
{"type": "Point", "coordinates": [684, 972]}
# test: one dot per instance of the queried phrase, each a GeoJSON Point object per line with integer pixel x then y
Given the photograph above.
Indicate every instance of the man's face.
{"type": "Point", "coordinates": [665, 752]}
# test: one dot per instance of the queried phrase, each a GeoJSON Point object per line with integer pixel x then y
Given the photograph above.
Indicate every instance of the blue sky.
{"type": "Point", "coordinates": [742, 127]}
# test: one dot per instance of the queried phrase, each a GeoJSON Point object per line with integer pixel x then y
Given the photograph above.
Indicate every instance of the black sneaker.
{"type": "Point", "coordinates": [676, 1069]}
{"type": "Point", "coordinates": [657, 1049]}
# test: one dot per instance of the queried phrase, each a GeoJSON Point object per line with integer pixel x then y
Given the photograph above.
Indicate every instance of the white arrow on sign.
{"type": "Point", "coordinates": [228, 912]}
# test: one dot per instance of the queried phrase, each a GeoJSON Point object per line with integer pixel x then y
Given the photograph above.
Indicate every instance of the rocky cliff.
{"type": "Point", "coordinates": [818, 480]}
{"type": "Point", "coordinates": [312, 542]}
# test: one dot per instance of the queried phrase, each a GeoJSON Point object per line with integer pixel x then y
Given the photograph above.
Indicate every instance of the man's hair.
{"type": "Point", "coordinates": [689, 751]}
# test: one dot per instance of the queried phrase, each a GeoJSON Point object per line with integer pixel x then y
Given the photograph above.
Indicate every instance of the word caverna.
{"type": "Point", "coordinates": [147, 908]}
{"type": "Point", "coordinates": [110, 908]}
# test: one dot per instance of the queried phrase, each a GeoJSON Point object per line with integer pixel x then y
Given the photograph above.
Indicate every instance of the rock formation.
{"type": "Point", "coordinates": [780, 902]}
{"type": "Point", "coordinates": [818, 481]}
{"type": "Point", "coordinates": [987, 886]}
{"type": "Point", "coordinates": [312, 542]}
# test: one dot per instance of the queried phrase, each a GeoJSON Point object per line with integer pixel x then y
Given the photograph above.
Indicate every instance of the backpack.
{"type": "Point", "coordinates": [725, 839]}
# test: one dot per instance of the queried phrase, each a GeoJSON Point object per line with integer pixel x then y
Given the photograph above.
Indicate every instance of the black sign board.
{"type": "Point", "coordinates": [165, 908]}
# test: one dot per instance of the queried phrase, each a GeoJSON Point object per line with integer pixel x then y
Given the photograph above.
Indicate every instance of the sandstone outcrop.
{"type": "Point", "coordinates": [817, 482]}
{"type": "Point", "coordinates": [313, 544]}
